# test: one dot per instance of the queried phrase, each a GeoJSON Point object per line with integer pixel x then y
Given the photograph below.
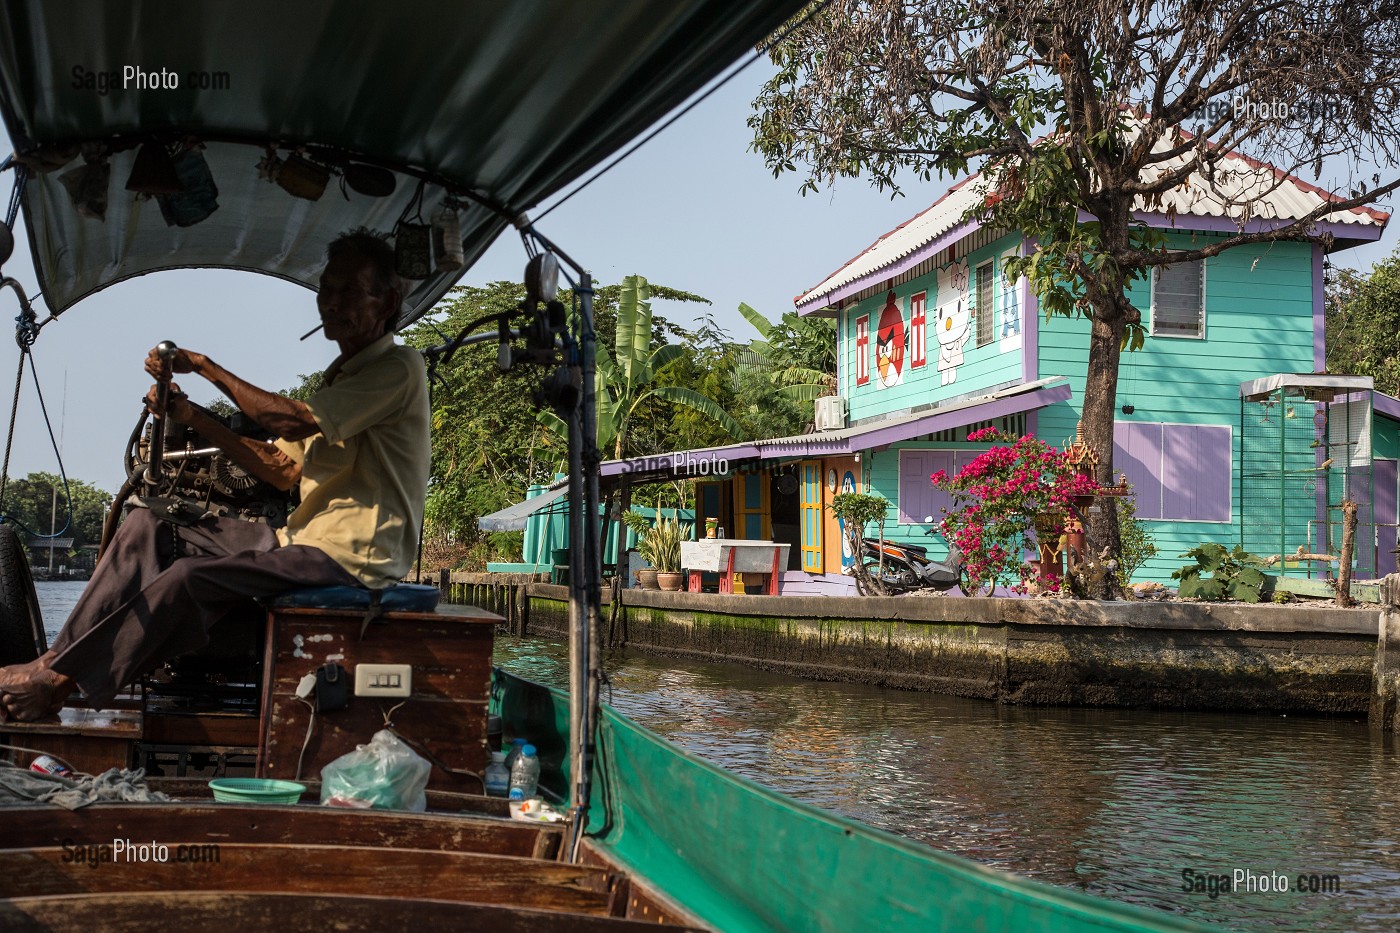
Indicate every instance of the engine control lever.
{"type": "Point", "coordinates": [166, 350]}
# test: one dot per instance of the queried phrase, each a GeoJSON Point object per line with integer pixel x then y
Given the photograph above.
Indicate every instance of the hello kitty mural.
{"type": "Point", "coordinates": [952, 324]}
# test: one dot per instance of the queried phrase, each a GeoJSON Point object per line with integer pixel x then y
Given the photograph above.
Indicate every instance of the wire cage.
{"type": "Point", "coordinates": [1305, 448]}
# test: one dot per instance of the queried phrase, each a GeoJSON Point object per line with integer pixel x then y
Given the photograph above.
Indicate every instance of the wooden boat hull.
{"type": "Point", "coordinates": [673, 839]}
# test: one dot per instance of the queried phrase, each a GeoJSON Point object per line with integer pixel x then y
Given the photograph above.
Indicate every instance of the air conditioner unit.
{"type": "Point", "coordinates": [831, 413]}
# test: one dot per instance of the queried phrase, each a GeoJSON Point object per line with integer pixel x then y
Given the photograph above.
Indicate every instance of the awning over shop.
{"type": "Point", "coordinates": [513, 517]}
{"type": "Point", "coordinates": [711, 461]}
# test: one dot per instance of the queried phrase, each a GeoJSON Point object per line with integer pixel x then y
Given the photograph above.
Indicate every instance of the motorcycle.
{"type": "Point", "coordinates": [908, 567]}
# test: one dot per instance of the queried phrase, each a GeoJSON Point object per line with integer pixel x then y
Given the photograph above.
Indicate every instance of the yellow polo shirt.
{"type": "Point", "coordinates": [364, 477]}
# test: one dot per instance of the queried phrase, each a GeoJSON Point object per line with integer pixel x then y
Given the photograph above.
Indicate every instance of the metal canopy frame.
{"type": "Point", "coordinates": [502, 104]}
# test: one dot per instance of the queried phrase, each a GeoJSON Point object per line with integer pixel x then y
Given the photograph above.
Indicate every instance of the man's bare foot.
{"type": "Point", "coordinates": [41, 695]}
{"type": "Point", "coordinates": [18, 673]}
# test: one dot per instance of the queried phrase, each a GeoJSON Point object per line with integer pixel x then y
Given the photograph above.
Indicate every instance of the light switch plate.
{"type": "Point", "coordinates": [383, 680]}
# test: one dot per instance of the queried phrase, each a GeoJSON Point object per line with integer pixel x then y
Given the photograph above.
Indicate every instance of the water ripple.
{"type": "Point", "coordinates": [1117, 803]}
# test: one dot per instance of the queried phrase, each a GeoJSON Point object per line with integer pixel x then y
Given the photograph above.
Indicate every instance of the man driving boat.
{"type": "Point", "coordinates": [358, 450]}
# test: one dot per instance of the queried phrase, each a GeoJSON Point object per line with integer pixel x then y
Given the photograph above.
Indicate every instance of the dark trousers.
{"type": "Point", "coordinates": [159, 589]}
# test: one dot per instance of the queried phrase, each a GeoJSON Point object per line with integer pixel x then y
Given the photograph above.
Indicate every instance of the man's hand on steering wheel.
{"type": "Point", "coordinates": [177, 406]}
{"type": "Point", "coordinates": [181, 361]}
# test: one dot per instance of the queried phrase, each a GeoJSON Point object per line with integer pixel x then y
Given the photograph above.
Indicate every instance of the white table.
{"type": "Point", "coordinates": [728, 556]}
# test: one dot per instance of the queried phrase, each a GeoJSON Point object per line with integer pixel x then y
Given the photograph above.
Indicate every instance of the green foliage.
{"type": "Point", "coordinates": [1363, 323]}
{"type": "Point", "coordinates": [37, 504]}
{"type": "Point", "coordinates": [641, 526]}
{"type": "Point", "coordinates": [659, 544]}
{"type": "Point", "coordinates": [487, 446]}
{"type": "Point", "coordinates": [797, 353]}
{"type": "Point", "coordinates": [1138, 547]}
{"type": "Point", "coordinates": [858, 509]}
{"type": "Point", "coordinates": [1234, 574]}
{"type": "Point", "coordinates": [627, 377]}
{"type": "Point", "coordinates": [307, 387]}
{"type": "Point", "coordinates": [666, 537]}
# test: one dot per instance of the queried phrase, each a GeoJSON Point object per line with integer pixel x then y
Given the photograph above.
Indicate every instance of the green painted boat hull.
{"type": "Point", "coordinates": [740, 857]}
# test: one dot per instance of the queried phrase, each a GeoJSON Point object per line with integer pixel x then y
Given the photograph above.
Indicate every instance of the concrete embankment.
{"type": "Point", "coordinates": [1164, 655]}
{"type": "Point", "coordinates": [1300, 657]}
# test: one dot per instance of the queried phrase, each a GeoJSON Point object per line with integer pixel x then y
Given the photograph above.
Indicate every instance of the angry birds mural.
{"type": "Point", "coordinates": [952, 327]}
{"type": "Point", "coordinates": [890, 343]}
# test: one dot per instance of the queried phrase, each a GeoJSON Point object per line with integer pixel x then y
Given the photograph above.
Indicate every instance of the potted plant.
{"type": "Point", "coordinates": [666, 539]}
{"type": "Point", "coordinates": [638, 525]}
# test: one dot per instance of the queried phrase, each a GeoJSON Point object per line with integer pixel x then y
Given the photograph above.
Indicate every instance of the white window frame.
{"type": "Point", "coordinates": [1152, 308]}
{"type": "Point", "coordinates": [1161, 469]}
{"type": "Point", "coordinates": [991, 300]}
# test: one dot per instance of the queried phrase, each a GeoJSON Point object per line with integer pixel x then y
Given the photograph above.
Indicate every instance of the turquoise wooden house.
{"type": "Point", "coordinates": [1226, 428]}
{"type": "Point", "coordinates": [930, 327]}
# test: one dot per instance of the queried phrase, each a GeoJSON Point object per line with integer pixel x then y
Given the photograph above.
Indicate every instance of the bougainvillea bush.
{"type": "Point", "coordinates": [997, 498]}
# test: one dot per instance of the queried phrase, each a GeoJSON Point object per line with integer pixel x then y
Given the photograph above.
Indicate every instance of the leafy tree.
{"type": "Point", "coordinates": [801, 352]}
{"type": "Point", "coordinates": [37, 504]}
{"type": "Point", "coordinates": [856, 510]}
{"type": "Point", "coordinates": [708, 368]}
{"type": "Point", "coordinates": [763, 408]}
{"type": "Point", "coordinates": [1074, 110]}
{"type": "Point", "coordinates": [487, 446]}
{"type": "Point", "coordinates": [1363, 324]}
{"type": "Point", "coordinates": [627, 376]}
{"type": "Point", "coordinates": [1138, 545]}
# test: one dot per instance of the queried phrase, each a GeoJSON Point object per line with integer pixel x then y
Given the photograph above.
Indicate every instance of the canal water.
{"type": "Point", "coordinates": [1120, 804]}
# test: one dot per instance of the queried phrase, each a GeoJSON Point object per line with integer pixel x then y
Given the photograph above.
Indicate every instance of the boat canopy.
{"type": "Point", "coordinates": [481, 107]}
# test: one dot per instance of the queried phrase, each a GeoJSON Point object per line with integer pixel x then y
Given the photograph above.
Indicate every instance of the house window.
{"type": "Point", "coordinates": [863, 350]}
{"type": "Point", "coordinates": [918, 327]}
{"type": "Point", "coordinates": [984, 304]}
{"type": "Point", "coordinates": [1179, 472]}
{"type": "Point", "coordinates": [919, 498]}
{"type": "Point", "coordinates": [1178, 306]}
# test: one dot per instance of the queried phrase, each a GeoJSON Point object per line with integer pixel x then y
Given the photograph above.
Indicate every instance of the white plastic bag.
{"type": "Point", "coordinates": [385, 774]}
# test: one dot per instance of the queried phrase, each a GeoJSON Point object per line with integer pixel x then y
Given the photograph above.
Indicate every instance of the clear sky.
{"type": "Point", "coordinates": [693, 209]}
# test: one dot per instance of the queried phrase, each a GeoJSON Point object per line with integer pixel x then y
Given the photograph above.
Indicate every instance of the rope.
{"type": "Point", "coordinates": [10, 438]}
{"type": "Point", "coordinates": [25, 338]}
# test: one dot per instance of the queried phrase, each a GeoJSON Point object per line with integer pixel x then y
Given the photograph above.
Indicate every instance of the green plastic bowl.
{"type": "Point", "coordinates": [256, 790]}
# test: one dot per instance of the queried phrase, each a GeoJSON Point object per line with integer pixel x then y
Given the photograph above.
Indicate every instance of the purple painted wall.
{"type": "Point", "coordinates": [1030, 325]}
{"type": "Point", "coordinates": [1319, 315]}
{"type": "Point", "coordinates": [1387, 513]}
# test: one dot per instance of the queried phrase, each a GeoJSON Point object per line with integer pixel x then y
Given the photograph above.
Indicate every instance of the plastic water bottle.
{"type": "Point", "coordinates": [515, 746]}
{"type": "Point", "coordinates": [525, 774]}
{"type": "Point", "coordinates": [497, 776]}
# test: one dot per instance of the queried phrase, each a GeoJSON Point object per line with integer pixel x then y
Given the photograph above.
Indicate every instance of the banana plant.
{"type": "Point", "coordinates": [803, 364]}
{"type": "Point", "coordinates": [626, 377]}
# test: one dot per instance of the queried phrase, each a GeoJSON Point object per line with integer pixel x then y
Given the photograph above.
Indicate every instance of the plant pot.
{"type": "Point", "coordinates": [672, 582]}
{"type": "Point", "coordinates": [647, 579]}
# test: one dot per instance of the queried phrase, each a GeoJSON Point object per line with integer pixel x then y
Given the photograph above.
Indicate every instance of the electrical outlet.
{"type": "Point", "coordinates": [383, 680]}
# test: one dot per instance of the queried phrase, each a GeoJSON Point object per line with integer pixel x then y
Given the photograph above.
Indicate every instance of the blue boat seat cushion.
{"type": "Point", "coordinates": [402, 597]}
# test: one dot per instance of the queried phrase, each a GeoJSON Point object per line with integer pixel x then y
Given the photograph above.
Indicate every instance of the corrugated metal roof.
{"type": "Point", "coordinates": [1022, 397]}
{"type": "Point", "coordinates": [1243, 190]}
